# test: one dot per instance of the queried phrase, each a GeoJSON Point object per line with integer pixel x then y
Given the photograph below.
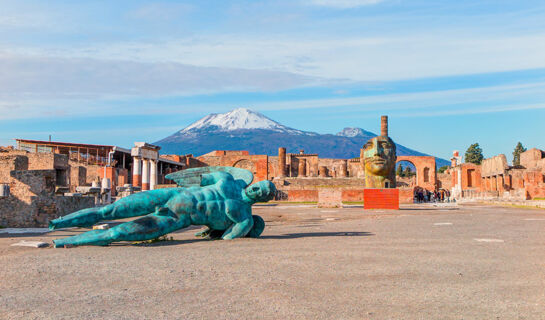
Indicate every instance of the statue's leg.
{"type": "Point", "coordinates": [138, 204]}
{"type": "Point", "coordinates": [152, 226]}
{"type": "Point", "coordinates": [242, 224]}
{"type": "Point", "coordinates": [257, 229]}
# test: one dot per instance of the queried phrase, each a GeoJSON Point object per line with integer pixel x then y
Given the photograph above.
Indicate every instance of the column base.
{"type": "Point", "coordinates": [137, 181]}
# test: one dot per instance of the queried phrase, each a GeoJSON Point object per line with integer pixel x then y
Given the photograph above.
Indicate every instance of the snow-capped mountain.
{"type": "Point", "coordinates": [238, 119]}
{"type": "Point", "coordinates": [354, 132]}
{"type": "Point", "coordinates": [244, 129]}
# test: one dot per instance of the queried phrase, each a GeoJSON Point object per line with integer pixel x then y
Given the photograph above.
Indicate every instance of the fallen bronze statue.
{"type": "Point", "coordinates": [220, 198]}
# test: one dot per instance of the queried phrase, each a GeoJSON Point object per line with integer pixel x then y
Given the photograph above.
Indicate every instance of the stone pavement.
{"type": "Point", "coordinates": [446, 262]}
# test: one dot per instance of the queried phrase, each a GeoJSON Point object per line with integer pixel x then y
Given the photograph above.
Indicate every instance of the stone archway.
{"type": "Point", "coordinates": [404, 181]}
{"type": "Point", "coordinates": [246, 164]}
{"type": "Point", "coordinates": [426, 173]}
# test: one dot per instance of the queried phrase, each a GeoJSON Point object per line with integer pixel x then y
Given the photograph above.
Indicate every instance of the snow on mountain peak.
{"type": "Point", "coordinates": [352, 132]}
{"type": "Point", "coordinates": [240, 118]}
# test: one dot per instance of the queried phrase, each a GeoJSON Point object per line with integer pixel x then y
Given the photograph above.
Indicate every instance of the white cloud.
{"type": "Point", "coordinates": [32, 86]}
{"type": "Point", "coordinates": [431, 103]}
{"type": "Point", "coordinates": [355, 58]}
{"type": "Point", "coordinates": [33, 76]}
{"type": "Point", "coordinates": [342, 4]}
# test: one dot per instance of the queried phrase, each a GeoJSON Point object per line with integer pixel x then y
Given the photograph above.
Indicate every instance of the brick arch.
{"type": "Point", "coordinates": [417, 173]}
{"type": "Point", "coordinates": [422, 163]}
{"type": "Point", "coordinates": [245, 164]}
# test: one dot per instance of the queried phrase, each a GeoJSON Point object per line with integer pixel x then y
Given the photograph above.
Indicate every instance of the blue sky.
{"type": "Point", "coordinates": [448, 73]}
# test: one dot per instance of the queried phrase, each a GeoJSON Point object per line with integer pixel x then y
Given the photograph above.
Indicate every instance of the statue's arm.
{"type": "Point", "coordinates": [212, 178]}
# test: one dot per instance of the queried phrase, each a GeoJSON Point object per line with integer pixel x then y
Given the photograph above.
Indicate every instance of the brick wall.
{"type": "Point", "coordinates": [329, 198]}
{"type": "Point", "coordinates": [9, 163]}
{"type": "Point", "coordinates": [302, 195]}
{"type": "Point", "coordinates": [352, 195]}
{"type": "Point", "coordinates": [257, 164]}
{"type": "Point", "coordinates": [406, 195]}
{"type": "Point", "coordinates": [32, 201]}
{"type": "Point", "coordinates": [530, 158]}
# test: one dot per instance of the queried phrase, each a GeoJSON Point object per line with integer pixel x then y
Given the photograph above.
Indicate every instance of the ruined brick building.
{"type": "Point", "coordinates": [40, 180]}
{"type": "Point", "coordinates": [32, 189]}
{"type": "Point", "coordinates": [495, 179]}
{"type": "Point", "coordinates": [304, 176]}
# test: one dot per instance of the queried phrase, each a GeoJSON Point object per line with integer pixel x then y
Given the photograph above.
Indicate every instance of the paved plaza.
{"type": "Point", "coordinates": [421, 262]}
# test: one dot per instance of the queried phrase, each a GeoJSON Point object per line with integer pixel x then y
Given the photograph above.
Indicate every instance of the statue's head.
{"type": "Point", "coordinates": [379, 156]}
{"type": "Point", "coordinates": [261, 191]}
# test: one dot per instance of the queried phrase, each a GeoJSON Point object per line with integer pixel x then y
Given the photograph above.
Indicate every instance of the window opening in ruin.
{"type": "Point", "coordinates": [426, 174]}
{"type": "Point", "coordinates": [44, 149]}
{"type": "Point", "coordinates": [27, 147]}
{"type": "Point", "coordinates": [61, 177]}
{"type": "Point", "coordinates": [470, 174]}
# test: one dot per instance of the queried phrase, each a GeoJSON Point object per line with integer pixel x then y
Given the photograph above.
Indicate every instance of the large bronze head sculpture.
{"type": "Point", "coordinates": [378, 157]}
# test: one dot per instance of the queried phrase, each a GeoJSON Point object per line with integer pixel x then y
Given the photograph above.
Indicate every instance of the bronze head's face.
{"type": "Point", "coordinates": [261, 191]}
{"type": "Point", "coordinates": [379, 156]}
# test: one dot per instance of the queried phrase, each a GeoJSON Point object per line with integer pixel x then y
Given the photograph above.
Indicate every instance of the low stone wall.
{"type": "Point", "coordinates": [330, 198]}
{"type": "Point", "coordinates": [406, 195]}
{"type": "Point", "coordinates": [15, 213]}
{"type": "Point", "coordinates": [308, 189]}
{"type": "Point", "coordinates": [299, 195]}
{"type": "Point", "coordinates": [352, 195]}
{"type": "Point", "coordinates": [499, 201]}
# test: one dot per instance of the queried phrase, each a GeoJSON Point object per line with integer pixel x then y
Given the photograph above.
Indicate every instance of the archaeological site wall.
{"type": "Point", "coordinates": [302, 177]}
{"type": "Point", "coordinates": [496, 179]}
{"type": "Point", "coordinates": [32, 201]}
{"type": "Point", "coordinates": [257, 164]}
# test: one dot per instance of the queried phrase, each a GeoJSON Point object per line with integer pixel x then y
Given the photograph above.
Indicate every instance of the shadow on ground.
{"type": "Point", "coordinates": [318, 234]}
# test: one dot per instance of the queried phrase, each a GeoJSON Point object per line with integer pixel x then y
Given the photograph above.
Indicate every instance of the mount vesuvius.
{"type": "Point", "coordinates": [244, 129]}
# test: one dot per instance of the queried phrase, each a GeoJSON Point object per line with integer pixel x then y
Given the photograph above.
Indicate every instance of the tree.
{"type": "Point", "coordinates": [408, 171]}
{"type": "Point", "coordinates": [399, 171]}
{"type": "Point", "coordinates": [516, 154]}
{"type": "Point", "coordinates": [474, 154]}
{"type": "Point", "coordinates": [443, 169]}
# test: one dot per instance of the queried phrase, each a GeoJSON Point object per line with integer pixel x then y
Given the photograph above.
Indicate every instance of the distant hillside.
{"type": "Point", "coordinates": [243, 129]}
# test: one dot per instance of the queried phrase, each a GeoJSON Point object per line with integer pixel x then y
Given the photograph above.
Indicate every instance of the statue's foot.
{"type": "Point", "coordinates": [83, 218]}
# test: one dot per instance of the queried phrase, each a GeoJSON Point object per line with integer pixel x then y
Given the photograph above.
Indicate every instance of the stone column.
{"type": "Point", "coordinates": [323, 171]}
{"type": "Point", "coordinates": [136, 172]}
{"type": "Point", "coordinates": [302, 172]}
{"type": "Point", "coordinates": [153, 175]}
{"type": "Point", "coordinates": [314, 169]}
{"type": "Point", "coordinates": [501, 184]}
{"type": "Point", "coordinates": [344, 169]}
{"type": "Point", "coordinates": [384, 126]}
{"type": "Point", "coordinates": [494, 183]}
{"type": "Point", "coordinates": [281, 162]}
{"type": "Point", "coordinates": [145, 174]}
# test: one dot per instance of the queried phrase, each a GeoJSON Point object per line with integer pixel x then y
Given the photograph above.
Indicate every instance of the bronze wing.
{"type": "Point", "coordinates": [192, 177]}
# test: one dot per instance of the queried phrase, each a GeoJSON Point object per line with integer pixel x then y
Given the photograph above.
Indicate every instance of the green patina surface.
{"type": "Point", "coordinates": [220, 198]}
